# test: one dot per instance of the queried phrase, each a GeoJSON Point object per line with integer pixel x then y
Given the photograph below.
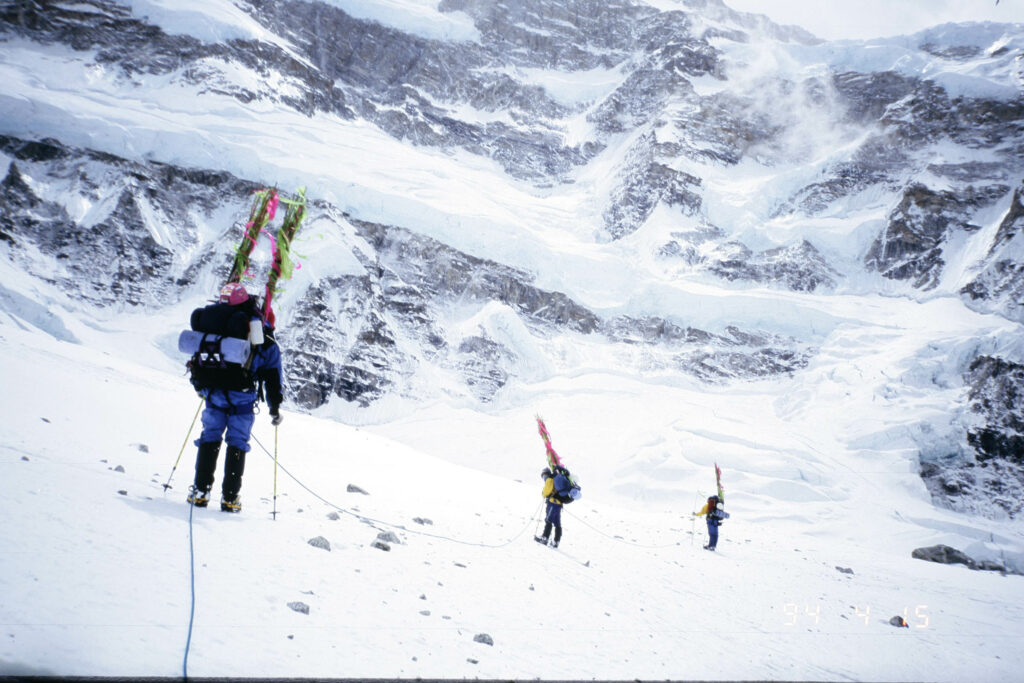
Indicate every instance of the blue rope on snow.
{"type": "Point", "coordinates": [192, 610]}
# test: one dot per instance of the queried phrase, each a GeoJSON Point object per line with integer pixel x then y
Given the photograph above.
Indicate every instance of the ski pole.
{"type": "Point", "coordinates": [184, 443]}
{"type": "Point", "coordinates": [274, 513]}
{"type": "Point", "coordinates": [693, 517]}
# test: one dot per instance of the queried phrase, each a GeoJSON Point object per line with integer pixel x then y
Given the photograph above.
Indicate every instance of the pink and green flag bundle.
{"type": "Point", "coordinates": [264, 205]}
{"type": "Point", "coordinates": [718, 481]}
{"type": "Point", "coordinates": [553, 459]}
{"type": "Point", "coordinates": [283, 265]}
{"type": "Point", "coordinates": [264, 208]}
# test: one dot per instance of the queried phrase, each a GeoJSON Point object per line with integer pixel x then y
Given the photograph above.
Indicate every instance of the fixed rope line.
{"type": "Point", "coordinates": [192, 574]}
{"type": "Point", "coordinates": [619, 539]}
{"type": "Point", "coordinates": [401, 527]}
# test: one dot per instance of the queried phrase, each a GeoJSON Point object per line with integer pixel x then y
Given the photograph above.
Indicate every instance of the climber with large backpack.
{"type": "Point", "coordinates": [715, 514]}
{"type": "Point", "coordinates": [235, 362]}
{"type": "Point", "coordinates": [559, 489]}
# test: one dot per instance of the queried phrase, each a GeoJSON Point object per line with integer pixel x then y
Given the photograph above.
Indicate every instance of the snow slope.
{"type": "Point", "coordinates": [102, 560]}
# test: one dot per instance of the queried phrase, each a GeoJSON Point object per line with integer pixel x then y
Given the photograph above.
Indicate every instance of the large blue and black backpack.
{"type": "Point", "coordinates": [220, 348]}
{"type": "Point", "coordinates": [566, 488]}
{"type": "Point", "coordinates": [715, 512]}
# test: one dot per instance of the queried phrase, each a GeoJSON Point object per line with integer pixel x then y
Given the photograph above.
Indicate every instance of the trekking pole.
{"type": "Point", "coordinates": [184, 443]}
{"type": "Point", "coordinates": [693, 517]}
{"type": "Point", "coordinates": [274, 513]}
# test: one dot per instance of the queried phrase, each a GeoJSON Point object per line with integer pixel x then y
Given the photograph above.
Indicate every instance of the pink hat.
{"type": "Point", "coordinates": [233, 293]}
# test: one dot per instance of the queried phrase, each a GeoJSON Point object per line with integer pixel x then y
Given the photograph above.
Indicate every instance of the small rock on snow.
{"type": "Point", "coordinates": [320, 542]}
{"type": "Point", "coordinates": [388, 537]}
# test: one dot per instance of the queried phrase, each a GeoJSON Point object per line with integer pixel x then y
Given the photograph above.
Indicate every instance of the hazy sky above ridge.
{"type": "Point", "coordinates": [839, 19]}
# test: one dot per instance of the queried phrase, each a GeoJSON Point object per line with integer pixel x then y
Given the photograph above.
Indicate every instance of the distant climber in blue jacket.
{"type": "Point", "coordinates": [715, 515]}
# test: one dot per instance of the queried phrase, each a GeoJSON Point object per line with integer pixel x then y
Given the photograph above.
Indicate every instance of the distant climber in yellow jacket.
{"type": "Point", "coordinates": [553, 514]}
{"type": "Point", "coordinates": [715, 515]}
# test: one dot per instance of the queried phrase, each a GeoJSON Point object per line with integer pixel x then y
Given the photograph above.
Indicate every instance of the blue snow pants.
{"type": "Point", "coordinates": [554, 515]}
{"type": "Point", "coordinates": [232, 412]}
{"type": "Point", "coordinates": [712, 533]}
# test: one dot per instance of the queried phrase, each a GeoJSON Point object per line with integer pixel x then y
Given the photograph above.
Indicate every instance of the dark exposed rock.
{"type": "Point", "coordinates": [481, 362]}
{"type": "Point", "coordinates": [710, 357]}
{"type": "Point", "coordinates": [868, 95]}
{"type": "Point", "coordinates": [912, 113]}
{"type": "Point", "coordinates": [644, 183]}
{"type": "Point", "coordinates": [438, 270]}
{"type": "Point", "coordinates": [800, 267]}
{"type": "Point", "coordinates": [878, 162]}
{"type": "Point", "coordinates": [910, 248]}
{"type": "Point", "coordinates": [955, 52]}
{"type": "Point", "coordinates": [1000, 284]}
{"type": "Point", "coordinates": [973, 171]}
{"type": "Point", "coordinates": [997, 397]}
{"type": "Point", "coordinates": [653, 330]}
{"type": "Point", "coordinates": [943, 554]}
{"type": "Point", "coordinates": [722, 365]}
{"type": "Point", "coordinates": [723, 128]}
{"type": "Point", "coordinates": [339, 345]}
{"type": "Point", "coordinates": [112, 256]}
{"type": "Point", "coordinates": [988, 476]}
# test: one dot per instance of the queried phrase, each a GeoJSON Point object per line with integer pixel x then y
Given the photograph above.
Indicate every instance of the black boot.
{"type": "Point", "coordinates": [234, 466]}
{"type": "Point", "coordinates": [206, 465]}
{"type": "Point", "coordinates": [558, 536]}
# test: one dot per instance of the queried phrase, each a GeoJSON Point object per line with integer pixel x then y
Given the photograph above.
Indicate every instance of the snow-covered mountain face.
{"type": "Point", "coordinates": [507, 193]}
